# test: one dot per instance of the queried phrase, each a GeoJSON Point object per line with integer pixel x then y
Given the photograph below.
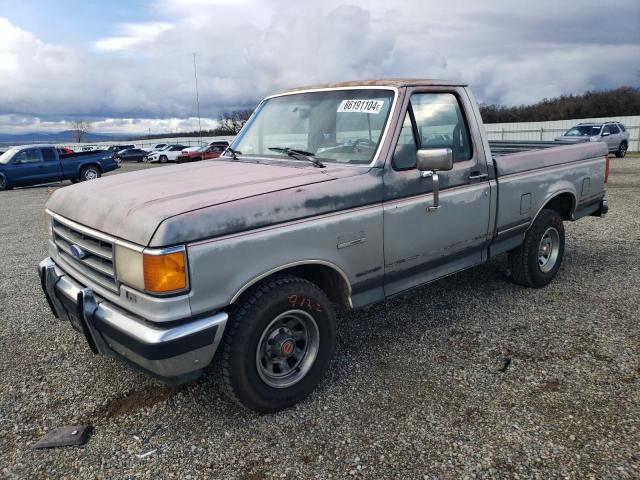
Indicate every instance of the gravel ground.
{"type": "Point", "coordinates": [415, 391]}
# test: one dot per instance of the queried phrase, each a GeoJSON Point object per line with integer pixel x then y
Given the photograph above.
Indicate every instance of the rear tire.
{"type": "Point", "coordinates": [3, 184]}
{"type": "Point", "coordinates": [278, 344]}
{"type": "Point", "coordinates": [622, 150]}
{"type": "Point", "coordinates": [537, 261]}
{"type": "Point", "coordinates": [89, 172]}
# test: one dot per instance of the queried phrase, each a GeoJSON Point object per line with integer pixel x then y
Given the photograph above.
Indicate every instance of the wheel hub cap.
{"type": "Point", "coordinates": [287, 348]}
{"type": "Point", "coordinates": [548, 249]}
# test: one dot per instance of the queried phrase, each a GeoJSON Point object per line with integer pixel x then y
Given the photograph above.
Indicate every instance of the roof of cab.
{"type": "Point", "coordinates": [35, 145]}
{"type": "Point", "coordinates": [383, 82]}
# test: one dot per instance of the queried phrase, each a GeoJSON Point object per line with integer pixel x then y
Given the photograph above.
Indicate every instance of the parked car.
{"type": "Point", "coordinates": [89, 148]}
{"type": "Point", "coordinates": [170, 153]}
{"type": "Point", "coordinates": [203, 153]}
{"type": "Point", "coordinates": [64, 151]}
{"type": "Point", "coordinates": [119, 148]}
{"type": "Point", "coordinates": [249, 254]}
{"type": "Point", "coordinates": [614, 134]}
{"type": "Point", "coordinates": [36, 164]}
{"type": "Point", "coordinates": [132, 155]}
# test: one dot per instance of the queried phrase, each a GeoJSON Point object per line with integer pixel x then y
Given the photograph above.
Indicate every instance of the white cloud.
{"type": "Point", "coordinates": [509, 53]}
{"type": "Point", "coordinates": [133, 35]}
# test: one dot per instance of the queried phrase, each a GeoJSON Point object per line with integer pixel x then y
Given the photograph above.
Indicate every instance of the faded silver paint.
{"type": "Point", "coordinates": [242, 221]}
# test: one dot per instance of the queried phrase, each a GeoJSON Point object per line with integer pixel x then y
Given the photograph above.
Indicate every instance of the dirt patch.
{"type": "Point", "coordinates": [137, 400]}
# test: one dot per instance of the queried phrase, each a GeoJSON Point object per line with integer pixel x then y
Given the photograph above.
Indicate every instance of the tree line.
{"type": "Point", "coordinates": [623, 101]}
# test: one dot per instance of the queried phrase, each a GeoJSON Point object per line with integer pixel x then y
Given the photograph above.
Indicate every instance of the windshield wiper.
{"type": "Point", "coordinates": [234, 153]}
{"type": "Point", "coordinates": [299, 155]}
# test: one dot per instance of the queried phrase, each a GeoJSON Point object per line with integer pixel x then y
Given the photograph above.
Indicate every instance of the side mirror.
{"type": "Point", "coordinates": [606, 134]}
{"type": "Point", "coordinates": [429, 161]}
{"type": "Point", "coordinates": [434, 159]}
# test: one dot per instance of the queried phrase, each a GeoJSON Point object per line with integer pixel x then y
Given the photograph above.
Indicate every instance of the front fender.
{"type": "Point", "coordinates": [350, 242]}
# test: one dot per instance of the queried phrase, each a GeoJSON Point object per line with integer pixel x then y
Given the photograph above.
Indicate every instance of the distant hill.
{"type": "Point", "coordinates": [624, 101]}
{"type": "Point", "coordinates": [57, 137]}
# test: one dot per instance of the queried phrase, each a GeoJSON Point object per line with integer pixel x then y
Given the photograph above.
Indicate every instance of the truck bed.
{"type": "Point", "coordinates": [528, 179]}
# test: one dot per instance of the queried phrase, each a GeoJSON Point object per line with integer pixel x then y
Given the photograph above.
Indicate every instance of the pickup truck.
{"type": "Point", "coordinates": [36, 164]}
{"type": "Point", "coordinates": [339, 195]}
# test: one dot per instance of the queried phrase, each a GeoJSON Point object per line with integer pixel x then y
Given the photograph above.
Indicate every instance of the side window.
{"type": "Point", "coordinates": [48, 155]}
{"type": "Point", "coordinates": [614, 129]}
{"type": "Point", "coordinates": [404, 156]}
{"type": "Point", "coordinates": [28, 156]}
{"type": "Point", "coordinates": [606, 129]}
{"type": "Point", "coordinates": [622, 127]}
{"type": "Point", "coordinates": [441, 124]}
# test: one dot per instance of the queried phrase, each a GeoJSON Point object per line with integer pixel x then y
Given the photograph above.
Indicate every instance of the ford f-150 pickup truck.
{"type": "Point", "coordinates": [342, 194]}
{"type": "Point", "coordinates": [36, 164]}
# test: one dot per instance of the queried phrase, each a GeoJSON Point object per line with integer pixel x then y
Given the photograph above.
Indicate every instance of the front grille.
{"type": "Point", "coordinates": [97, 262]}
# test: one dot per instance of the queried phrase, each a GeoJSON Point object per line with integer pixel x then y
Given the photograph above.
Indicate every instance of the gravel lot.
{"type": "Point", "coordinates": [415, 390]}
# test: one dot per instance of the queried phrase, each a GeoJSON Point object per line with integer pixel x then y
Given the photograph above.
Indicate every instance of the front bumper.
{"type": "Point", "coordinates": [174, 354]}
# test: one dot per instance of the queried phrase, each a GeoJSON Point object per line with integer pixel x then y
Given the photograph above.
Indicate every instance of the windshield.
{"type": "Point", "coordinates": [7, 156]}
{"type": "Point", "coordinates": [583, 131]}
{"type": "Point", "coordinates": [343, 126]}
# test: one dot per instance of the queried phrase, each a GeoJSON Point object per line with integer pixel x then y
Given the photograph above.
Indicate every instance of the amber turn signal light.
{"type": "Point", "coordinates": [165, 273]}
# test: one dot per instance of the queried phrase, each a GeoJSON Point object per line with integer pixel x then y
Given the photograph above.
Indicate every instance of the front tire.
{"type": "Point", "coordinates": [3, 184]}
{"type": "Point", "coordinates": [278, 344]}
{"type": "Point", "coordinates": [89, 172]}
{"type": "Point", "coordinates": [622, 150]}
{"type": "Point", "coordinates": [537, 261]}
{"type": "Point", "coordinates": [163, 159]}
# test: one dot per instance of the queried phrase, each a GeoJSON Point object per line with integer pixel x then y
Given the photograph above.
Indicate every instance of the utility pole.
{"type": "Point", "coordinates": [195, 75]}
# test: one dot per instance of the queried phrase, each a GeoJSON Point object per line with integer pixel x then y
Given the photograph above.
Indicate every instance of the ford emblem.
{"type": "Point", "coordinates": [77, 252]}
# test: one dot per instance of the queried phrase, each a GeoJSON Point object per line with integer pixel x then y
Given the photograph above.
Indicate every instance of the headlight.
{"type": "Point", "coordinates": [155, 271]}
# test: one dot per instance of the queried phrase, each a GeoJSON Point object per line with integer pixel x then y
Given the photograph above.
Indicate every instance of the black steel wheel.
{"type": "Point", "coordinates": [278, 343]}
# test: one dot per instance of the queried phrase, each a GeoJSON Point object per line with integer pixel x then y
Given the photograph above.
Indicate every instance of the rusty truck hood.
{"type": "Point", "coordinates": [133, 206]}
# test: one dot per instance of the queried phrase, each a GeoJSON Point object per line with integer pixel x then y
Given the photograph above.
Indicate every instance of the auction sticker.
{"type": "Point", "coordinates": [360, 106]}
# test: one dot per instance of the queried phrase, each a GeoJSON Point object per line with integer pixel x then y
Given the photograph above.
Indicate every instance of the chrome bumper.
{"type": "Point", "coordinates": [174, 354]}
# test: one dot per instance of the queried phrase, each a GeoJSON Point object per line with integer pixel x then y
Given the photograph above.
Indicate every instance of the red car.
{"type": "Point", "coordinates": [213, 150]}
{"type": "Point", "coordinates": [64, 151]}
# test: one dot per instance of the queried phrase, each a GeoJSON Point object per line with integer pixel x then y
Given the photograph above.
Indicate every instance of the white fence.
{"type": "Point", "coordinates": [550, 130]}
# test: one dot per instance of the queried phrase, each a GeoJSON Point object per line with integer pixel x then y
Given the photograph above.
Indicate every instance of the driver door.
{"type": "Point", "coordinates": [420, 243]}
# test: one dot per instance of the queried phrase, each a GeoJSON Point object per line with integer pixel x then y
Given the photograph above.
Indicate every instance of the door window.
{"type": "Point", "coordinates": [48, 155]}
{"type": "Point", "coordinates": [614, 129]}
{"type": "Point", "coordinates": [28, 156]}
{"type": "Point", "coordinates": [438, 122]}
{"type": "Point", "coordinates": [606, 129]}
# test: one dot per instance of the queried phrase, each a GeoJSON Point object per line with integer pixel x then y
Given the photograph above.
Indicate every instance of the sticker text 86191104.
{"type": "Point", "coordinates": [361, 106]}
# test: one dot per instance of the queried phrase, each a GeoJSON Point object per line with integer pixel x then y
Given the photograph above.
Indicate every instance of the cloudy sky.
{"type": "Point", "coordinates": [127, 65]}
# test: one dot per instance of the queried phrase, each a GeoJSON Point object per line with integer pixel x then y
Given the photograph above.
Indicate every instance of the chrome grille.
{"type": "Point", "coordinates": [97, 262]}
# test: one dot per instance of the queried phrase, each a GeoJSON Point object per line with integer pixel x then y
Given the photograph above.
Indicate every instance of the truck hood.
{"type": "Point", "coordinates": [132, 206]}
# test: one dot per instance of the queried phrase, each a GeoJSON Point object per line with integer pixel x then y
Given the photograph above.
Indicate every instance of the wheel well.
{"type": "Point", "coordinates": [563, 204]}
{"type": "Point", "coordinates": [330, 280]}
{"type": "Point", "coordinates": [90, 165]}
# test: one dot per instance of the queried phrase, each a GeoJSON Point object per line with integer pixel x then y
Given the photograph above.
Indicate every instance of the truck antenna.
{"type": "Point", "coordinates": [195, 75]}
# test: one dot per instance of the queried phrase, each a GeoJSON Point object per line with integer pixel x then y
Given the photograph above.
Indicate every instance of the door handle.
{"type": "Point", "coordinates": [478, 176]}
